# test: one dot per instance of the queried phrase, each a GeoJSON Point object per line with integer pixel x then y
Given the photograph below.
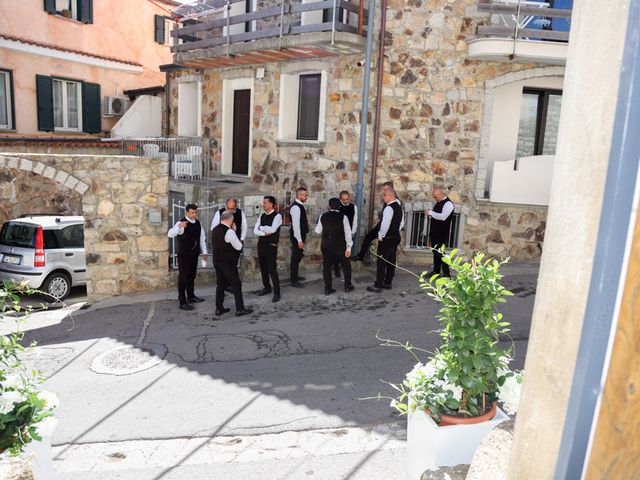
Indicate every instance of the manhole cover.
{"type": "Point", "coordinates": [129, 359]}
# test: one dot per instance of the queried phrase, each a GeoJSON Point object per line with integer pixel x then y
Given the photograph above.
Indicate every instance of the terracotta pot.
{"type": "Point", "coordinates": [448, 420]}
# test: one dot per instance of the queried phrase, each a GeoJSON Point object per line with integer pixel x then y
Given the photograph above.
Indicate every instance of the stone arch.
{"type": "Point", "coordinates": [490, 85]}
{"type": "Point", "coordinates": [49, 171]}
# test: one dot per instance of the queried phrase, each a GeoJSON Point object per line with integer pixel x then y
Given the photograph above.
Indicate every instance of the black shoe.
{"type": "Point", "coordinates": [431, 274]}
{"type": "Point", "coordinates": [186, 306]}
{"type": "Point", "coordinates": [297, 285]}
{"type": "Point", "coordinates": [338, 274]}
{"type": "Point", "coordinates": [301, 279]}
{"type": "Point", "coordinates": [263, 292]}
{"type": "Point", "coordinates": [329, 291]}
{"type": "Point", "coordinates": [349, 288]}
{"type": "Point", "coordinates": [246, 311]}
{"type": "Point", "coordinates": [228, 289]}
{"type": "Point", "coordinates": [374, 289]}
{"type": "Point", "coordinates": [387, 286]}
{"type": "Point", "coordinates": [357, 258]}
{"type": "Point", "coordinates": [195, 299]}
{"type": "Point", "coordinates": [222, 312]}
{"type": "Point", "coordinates": [276, 298]}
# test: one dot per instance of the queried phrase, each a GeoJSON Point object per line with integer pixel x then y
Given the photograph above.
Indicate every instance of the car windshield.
{"type": "Point", "coordinates": [18, 234]}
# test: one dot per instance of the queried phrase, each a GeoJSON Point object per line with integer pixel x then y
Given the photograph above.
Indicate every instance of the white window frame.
{"type": "Point", "coordinates": [289, 106]}
{"type": "Point", "coordinates": [7, 100]}
{"type": "Point", "coordinates": [186, 116]}
{"type": "Point", "coordinates": [65, 106]}
{"type": "Point", "coordinates": [74, 8]}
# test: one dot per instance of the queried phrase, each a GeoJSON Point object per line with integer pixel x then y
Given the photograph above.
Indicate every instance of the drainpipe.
{"type": "Point", "coordinates": [376, 126]}
{"type": "Point", "coordinates": [365, 107]}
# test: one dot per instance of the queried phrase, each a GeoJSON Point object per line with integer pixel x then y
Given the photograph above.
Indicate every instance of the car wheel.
{"type": "Point", "coordinates": [57, 286]}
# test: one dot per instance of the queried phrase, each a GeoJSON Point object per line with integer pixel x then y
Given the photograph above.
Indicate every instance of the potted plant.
{"type": "Point", "coordinates": [26, 411]}
{"type": "Point", "coordinates": [450, 400]}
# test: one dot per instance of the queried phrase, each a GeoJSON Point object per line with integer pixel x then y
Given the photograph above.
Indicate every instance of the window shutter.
{"type": "Point", "coordinates": [91, 119]}
{"type": "Point", "coordinates": [159, 28]}
{"type": "Point", "coordinates": [12, 101]}
{"type": "Point", "coordinates": [85, 14]}
{"type": "Point", "coordinates": [50, 6]}
{"type": "Point", "coordinates": [44, 95]}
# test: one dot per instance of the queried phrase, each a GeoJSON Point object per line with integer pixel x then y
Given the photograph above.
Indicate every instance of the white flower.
{"type": "Point", "coordinates": [509, 393]}
{"type": "Point", "coordinates": [8, 401]}
{"type": "Point", "coordinates": [51, 399]}
{"type": "Point", "coordinates": [12, 380]}
{"type": "Point", "coordinates": [47, 426]}
{"type": "Point", "coordinates": [393, 403]}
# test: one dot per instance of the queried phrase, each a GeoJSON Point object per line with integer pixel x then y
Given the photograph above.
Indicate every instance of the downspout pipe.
{"type": "Point", "coordinates": [365, 107]}
{"type": "Point", "coordinates": [376, 126]}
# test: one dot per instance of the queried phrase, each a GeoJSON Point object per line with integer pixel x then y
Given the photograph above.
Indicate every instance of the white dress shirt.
{"type": "Point", "coordinates": [243, 229]}
{"type": "Point", "coordinates": [447, 210]}
{"type": "Point", "coordinates": [232, 238]}
{"type": "Point", "coordinates": [348, 236]}
{"type": "Point", "coordinates": [387, 216]}
{"type": "Point", "coordinates": [354, 227]}
{"type": "Point", "coordinates": [295, 219]}
{"type": "Point", "coordinates": [178, 230]}
{"type": "Point", "coordinates": [264, 230]}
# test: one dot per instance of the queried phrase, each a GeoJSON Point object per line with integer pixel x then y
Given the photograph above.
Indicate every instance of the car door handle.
{"type": "Point", "coordinates": [68, 254]}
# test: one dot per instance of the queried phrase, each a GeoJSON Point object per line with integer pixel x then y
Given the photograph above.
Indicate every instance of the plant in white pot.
{"type": "Point", "coordinates": [26, 411]}
{"type": "Point", "coordinates": [451, 399]}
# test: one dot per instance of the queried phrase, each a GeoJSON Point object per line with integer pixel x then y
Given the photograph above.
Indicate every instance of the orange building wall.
{"type": "Point", "coordinates": [122, 29]}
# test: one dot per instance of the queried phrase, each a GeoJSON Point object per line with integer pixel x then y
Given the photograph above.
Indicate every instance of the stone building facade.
{"type": "Point", "coordinates": [125, 253]}
{"type": "Point", "coordinates": [435, 122]}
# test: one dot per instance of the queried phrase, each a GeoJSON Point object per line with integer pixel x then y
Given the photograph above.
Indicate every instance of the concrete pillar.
{"type": "Point", "coordinates": [590, 93]}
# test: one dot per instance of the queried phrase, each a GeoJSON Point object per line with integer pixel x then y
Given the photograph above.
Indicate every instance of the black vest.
{"type": "Point", "coordinates": [349, 211]}
{"type": "Point", "coordinates": [189, 241]}
{"type": "Point", "coordinates": [237, 218]}
{"type": "Point", "coordinates": [267, 221]}
{"type": "Point", "coordinates": [394, 228]}
{"type": "Point", "coordinates": [223, 252]}
{"type": "Point", "coordinates": [333, 231]}
{"type": "Point", "coordinates": [441, 226]}
{"type": "Point", "coordinates": [304, 223]}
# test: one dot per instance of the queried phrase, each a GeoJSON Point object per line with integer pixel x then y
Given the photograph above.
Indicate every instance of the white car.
{"type": "Point", "coordinates": [46, 252]}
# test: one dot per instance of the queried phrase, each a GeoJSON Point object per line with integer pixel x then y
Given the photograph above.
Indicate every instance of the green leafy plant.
{"type": "Point", "coordinates": [470, 370]}
{"type": "Point", "coordinates": [26, 412]}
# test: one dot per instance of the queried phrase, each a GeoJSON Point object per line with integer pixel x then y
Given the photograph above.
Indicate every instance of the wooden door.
{"type": "Point", "coordinates": [241, 126]}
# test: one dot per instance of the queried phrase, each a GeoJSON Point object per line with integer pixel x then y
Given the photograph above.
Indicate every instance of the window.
{"type": "Point", "coordinates": [66, 105]}
{"type": "Point", "coordinates": [189, 98]}
{"type": "Point", "coordinates": [67, 102]}
{"type": "Point", "coordinates": [72, 236]}
{"type": "Point", "coordinates": [162, 29]}
{"type": "Point", "coordinates": [80, 10]}
{"type": "Point", "coordinates": [6, 100]}
{"type": "Point", "coordinates": [418, 226]}
{"type": "Point", "coordinates": [309, 107]}
{"type": "Point", "coordinates": [302, 107]}
{"type": "Point", "coordinates": [539, 121]}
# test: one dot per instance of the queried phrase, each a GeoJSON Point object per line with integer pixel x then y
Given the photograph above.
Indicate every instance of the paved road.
{"type": "Point", "coordinates": [275, 395]}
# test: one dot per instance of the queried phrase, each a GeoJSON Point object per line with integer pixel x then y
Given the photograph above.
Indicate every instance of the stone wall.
{"type": "Point", "coordinates": [125, 253]}
{"type": "Point", "coordinates": [432, 106]}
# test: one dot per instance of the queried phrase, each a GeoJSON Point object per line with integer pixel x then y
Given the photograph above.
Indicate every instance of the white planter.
{"type": "Point", "coordinates": [431, 446]}
{"type": "Point", "coordinates": [40, 456]}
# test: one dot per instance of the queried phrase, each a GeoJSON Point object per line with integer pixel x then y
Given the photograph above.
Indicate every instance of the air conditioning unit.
{"type": "Point", "coordinates": [114, 106]}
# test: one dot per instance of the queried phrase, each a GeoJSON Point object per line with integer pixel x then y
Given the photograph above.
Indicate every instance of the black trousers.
{"type": "Point", "coordinates": [368, 240]}
{"type": "Point", "coordinates": [333, 258]}
{"type": "Point", "coordinates": [438, 240]}
{"type": "Point", "coordinates": [296, 258]}
{"type": "Point", "coordinates": [385, 270]}
{"type": "Point", "coordinates": [267, 258]}
{"type": "Point", "coordinates": [187, 269]}
{"type": "Point", "coordinates": [227, 274]}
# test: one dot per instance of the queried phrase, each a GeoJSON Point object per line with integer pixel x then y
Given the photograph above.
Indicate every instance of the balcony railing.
{"type": "Point", "coordinates": [284, 28]}
{"type": "Point", "coordinates": [525, 19]}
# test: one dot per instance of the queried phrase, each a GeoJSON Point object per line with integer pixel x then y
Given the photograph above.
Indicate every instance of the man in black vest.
{"type": "Point", "coordinates": [441, 216]}
{"type": "Point", "coordinates": [336, 245]}
{"type": "Point", "coordinates": [373, 233]}
{"type": "Point", "coordinates": [267, 228]}
{"type": "Point", "coordinates": [191, 243]}
{"type": "Point", "coordinates": [239, 223]}
{"type": "Point", "coordinates": [226, 252]}
{"type": "Point", "coordinates": [388, 240]}
{"type": "Point", "coordinates": [350, 211]}
{"type": "Point", "coordinates": [298, 235]}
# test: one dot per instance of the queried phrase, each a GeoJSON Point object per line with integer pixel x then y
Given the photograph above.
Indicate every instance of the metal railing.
{"type": "Point", "coordinates": [525, 19]}
{"type": "Point", "coordinates": [274, 19]}
{"type": "Point", "coordinates": [417, 226]}
{"type": "Point", "coordinates": [189, 157]}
